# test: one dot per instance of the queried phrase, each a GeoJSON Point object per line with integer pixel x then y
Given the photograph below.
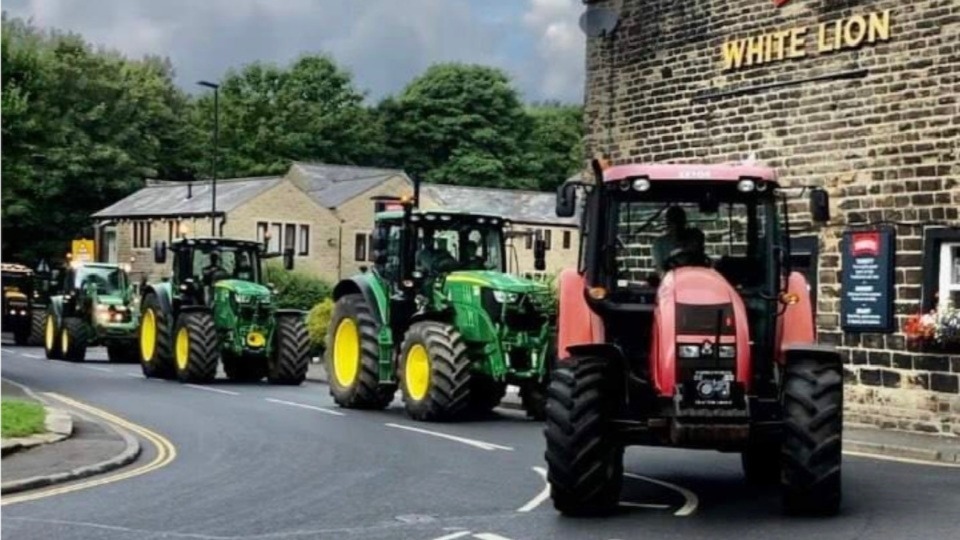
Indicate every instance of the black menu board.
{"type": "Point", "coordinates": [867, 284]}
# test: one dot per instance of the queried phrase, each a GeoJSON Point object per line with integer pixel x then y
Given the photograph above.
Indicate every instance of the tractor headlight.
{"type": "Point", "coordinates": [728, 351]}
{"type": "Point", "coordinates": [505, 297]}
{"type": "Point", "coordinates": [688, 351]}
{"type": "Point", "coordinates": [243, 298]}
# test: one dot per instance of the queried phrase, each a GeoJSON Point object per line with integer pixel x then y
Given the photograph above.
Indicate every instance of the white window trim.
{"type": "Point", "coordinates": [946, 283]}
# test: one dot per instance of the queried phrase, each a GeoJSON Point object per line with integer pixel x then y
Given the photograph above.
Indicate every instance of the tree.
{"type": "Point", "coordinates": [81, 129]}
{"type": "Point", "coordinates": [270, 116]}
{"type": "Point", "coordinates": [556, 144]}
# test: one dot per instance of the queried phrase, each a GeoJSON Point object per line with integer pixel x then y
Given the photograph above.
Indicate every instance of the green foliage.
{"type": "Point", "coordinates": [556, 144]}
{"type": "Point", "coordinates": [318, 319]}
{"type": "Point", "coordinates": [297, 290]}
{"type": "Point", "coordinates": [21, 418]}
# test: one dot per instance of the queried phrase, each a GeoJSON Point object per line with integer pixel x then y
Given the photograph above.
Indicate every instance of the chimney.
{"type": "Point", "coordinates": [189, 190]}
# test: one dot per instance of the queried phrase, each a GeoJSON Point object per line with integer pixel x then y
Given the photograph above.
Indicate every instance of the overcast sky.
{"type": "Point", "coordinates": [384, 43]}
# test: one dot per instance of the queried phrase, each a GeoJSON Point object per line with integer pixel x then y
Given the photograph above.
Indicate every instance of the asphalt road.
{"type": "Point", "coordinates": [256, 461]}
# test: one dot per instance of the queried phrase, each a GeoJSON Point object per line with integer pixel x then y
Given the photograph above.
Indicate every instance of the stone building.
{"type": "Point", "coordinates": [859, 97]}
{"type": "Point", "coordinates": [324, 212]}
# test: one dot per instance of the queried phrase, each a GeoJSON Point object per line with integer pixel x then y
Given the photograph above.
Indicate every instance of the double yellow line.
{"type": "Point", "coordinates": [166, 452]}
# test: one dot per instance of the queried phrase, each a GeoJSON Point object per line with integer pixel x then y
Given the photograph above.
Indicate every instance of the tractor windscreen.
{"type": "Point", "coordinates": [652, 233]}
{"type": "Point", "coordinates": [226, 262]}
{"type": "Point", "coordinates": [107, 280]}
{"type": "Point", "coordinates": [459, 244]}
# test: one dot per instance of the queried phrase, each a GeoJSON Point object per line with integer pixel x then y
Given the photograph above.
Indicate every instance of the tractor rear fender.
{"type": "Point", "coordinates": [162, 292]}
{"type": "Point", "coordinates": [371, 289]}
{"type": "Point", "coordinates": [607, 351]}
{"type": "Point", "coordinates": [796, 326]}
{"type": "Point", "coordinates": [56, 307]}
{"type": "Point", "coordinates": [577, 324]}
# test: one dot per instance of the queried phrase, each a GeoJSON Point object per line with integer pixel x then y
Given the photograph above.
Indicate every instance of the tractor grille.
{"type": "Point", "coordinates": [703, 320]}
{"type": "Point", "coordinates": [523, 315]}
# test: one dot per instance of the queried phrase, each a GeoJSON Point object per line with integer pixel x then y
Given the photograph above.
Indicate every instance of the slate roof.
{"type": "Point", "coordinates": [333, 185]}
{"type": "Point", "coordinates": [165, 198]}
{"type": "Point", "coordinates": [513, 204]}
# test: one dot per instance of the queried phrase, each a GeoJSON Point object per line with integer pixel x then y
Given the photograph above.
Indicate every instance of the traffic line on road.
{"type": "Point", "coordinates": [166, 452]}
{"type": "Point", "coordinates": [210, 389]}
{"type": "Point", "coordinates": [910, 461]}
{"type": "Point", "coordinates": [305, 406]}
{"type": "Point", "coordinates": [470, 442]}
{"type": "Point", "coordinates": [490, 536]}
{"type": "Point", "coordinates": [628, 504]}
{"type": "Point", "coordinates": [96, 368]}
{"type": "Point", "coordinates": [453, 536]}
{"type": "Point", "coordinates": [28, 355]}
{"type": "Point", "coordinates": [690, 498]}
{"type": "Point", "coordinates": [542, 496]}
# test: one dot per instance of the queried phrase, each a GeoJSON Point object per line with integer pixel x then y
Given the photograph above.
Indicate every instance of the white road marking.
{"type": "Point", "coordinates": [644, 505]}
{"type": "Point", "coordinates": [6, 350]}
{"type": "Point", "coordinates": [209, 389]}
{"type": "Point", "coordinates": [471, 442]}
{"type": "Point", "coordinates": [305, 406]}
{"type": "Point", "coordinates": [28, 355]}
{"type": "Point", "coordinates": [135, 375]}
{"type": "Point", "coordinates": [97, 368]}
{"type": "Point", "coordinates": [460, 534]}
{"type": "Point", "coordinates": [689, 507]}
{"type": "Point", "coordinates": [490, 536]}
{"type": "Point", "coordinates": [542, 496]}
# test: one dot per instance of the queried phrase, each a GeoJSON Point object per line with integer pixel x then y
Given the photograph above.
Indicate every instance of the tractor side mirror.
{"type": "Point", "coordinates": [378, 245]}
{"type": "Point", "coordinates": [288, 259]}
{"type": "Point", "coordinates": [819, 205]}
{"type": "Point", "coordinates": [566, 200]}
{"type": "Point", "coordinates": [160, 252]}
{"type": "Point", "coordinates": [539, 255]}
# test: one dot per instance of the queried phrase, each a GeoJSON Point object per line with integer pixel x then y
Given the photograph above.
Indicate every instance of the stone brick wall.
{"type": "Point", "coordinates": [877, 125]}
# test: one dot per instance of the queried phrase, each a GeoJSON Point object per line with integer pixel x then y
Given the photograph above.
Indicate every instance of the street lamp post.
{"type": "Point", "coordinates": [216, 152]}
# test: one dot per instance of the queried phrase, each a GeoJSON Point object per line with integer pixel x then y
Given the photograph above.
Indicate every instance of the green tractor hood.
{"type": "Point", "coordinates": [497, 281]}
{"type": "Point", "coordinates": [244, 288]}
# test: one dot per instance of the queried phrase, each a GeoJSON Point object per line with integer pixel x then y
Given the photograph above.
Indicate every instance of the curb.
{"type": "Point", "coordinates": [58, 425]}
{"type": "Point", "coordinates": [903, 452]}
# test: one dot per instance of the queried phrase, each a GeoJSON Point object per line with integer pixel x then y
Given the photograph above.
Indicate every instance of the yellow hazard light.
{"type": "Point", "coordinates": [790, 298]}
{"type": "Point", "coordinates": [256, 340]}
{"type": "Point", "coordinates": [597, 293]}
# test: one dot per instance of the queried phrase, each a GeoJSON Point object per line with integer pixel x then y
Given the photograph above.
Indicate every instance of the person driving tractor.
{"type": "Point", "coordinates": [434, 259]}
{"type": "Point", "coordinates": [213, 271]}
{"type": "Point", "coordinates": [678, 240]}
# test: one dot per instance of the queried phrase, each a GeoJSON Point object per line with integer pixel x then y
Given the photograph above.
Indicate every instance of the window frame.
{"type": "Point", "coordinates": [933, 242]}
{"type": "Point", "coordinates": [360, 247]}
{"type": "Point", "coordinates": [141, 232]}
{"type": "Point", "coordinates": [303, 240]}
{"type": "Point", "coordinates": [567, 239]}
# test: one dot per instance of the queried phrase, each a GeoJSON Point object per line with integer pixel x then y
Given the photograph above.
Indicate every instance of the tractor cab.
{"type": "Point", "coordinates": [20, 300]}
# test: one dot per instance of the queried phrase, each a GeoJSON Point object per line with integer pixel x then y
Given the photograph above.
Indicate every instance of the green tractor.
{"type": "Point", "coordinates": [23, 304]}
{"type": "Point", "coordinates": [96, 306]}
{"type": "Point", "coordinates": [439, 316]}
{"type": "Point", "coordinates": [217, 306]}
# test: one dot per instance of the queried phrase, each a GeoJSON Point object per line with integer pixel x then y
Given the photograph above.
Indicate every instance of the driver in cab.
{"type": "Point", "coordinates": [679, 242]}
{"type": "Point", "coordinates": [213, 271]}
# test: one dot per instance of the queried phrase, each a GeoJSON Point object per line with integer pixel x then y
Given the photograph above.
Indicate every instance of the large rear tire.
{"type": "Point", "coordinates": [584, 462]}
{"type": "Point", "coordinates": [73, 339]}
{"type": "Point", "coordinates": [533, 398]}
{"type": "Point", "coordinates": [813, 429]}
{"type": "Point", "coordinates": [195, 350]}
{"type": "Point", "coordinates": [51, 337]}
{"type": "Point", "coordinates": [435, 372]}
{"type": "Point", "coordinates": [291, 352]}
{"type": "Point", "coordinates": [21, 333]}
{"type": "Point", "coordinates": [37, 320]}
{"type": "Point", "coordinates": [245, 369]}
{"type": "Point", "coordinates": [352, 356]}
{"type": "Point", "coordinates": [155, 337]}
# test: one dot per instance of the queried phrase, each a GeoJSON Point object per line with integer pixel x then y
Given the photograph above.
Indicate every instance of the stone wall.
{"type": "Point", "coordinates": [876, 123]}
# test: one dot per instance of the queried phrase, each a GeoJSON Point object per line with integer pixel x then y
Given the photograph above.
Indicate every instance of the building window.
{"type": "Point", "coordinates": [360, 247]}
{"type": "Point", "coordinates": [276, 235]}
{"type": "Point", "coordinates": [290, 237]}
{"type": "Point", "coordinates": [262, 228]}
{"type": "Point", "coordinates": [949, 288]}
{"type": "Point", "coordinates": [566, 239]}
{"type": "Point", "coordinates": [173, 230]}
{"type": "Point", "coordinates": [303, 247]}
{"type": "Point", "coordinates": [530, 233]}
{"type": "Point", "coordinates": [941, 269]}
{"type": "Point", "coordinates": [141, 234]}
{"type": "Point", "coordinates": [370, 257]}
{"type": "Point", "coordinates": [547, 240]}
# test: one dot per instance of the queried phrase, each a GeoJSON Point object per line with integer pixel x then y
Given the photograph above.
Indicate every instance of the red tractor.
{"type": "Point", "coordinates": [701, 336]}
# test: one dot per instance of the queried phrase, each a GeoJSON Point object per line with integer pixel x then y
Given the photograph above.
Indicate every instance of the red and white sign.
{"type": "Point", "coordinates": [866, 244]}
{"type": "Point", "coordinates": [779, 3]}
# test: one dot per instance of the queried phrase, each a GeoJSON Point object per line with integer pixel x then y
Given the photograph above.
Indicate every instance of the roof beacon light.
{"type": "Point", "coordinates": [746, 186]}
{"type": "Point", "coordinates": [641, 184]}
{"type": "Point", "coordinates": [625, 185]}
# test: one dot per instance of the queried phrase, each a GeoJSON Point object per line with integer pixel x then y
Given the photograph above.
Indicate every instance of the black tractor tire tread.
{"type": "Point", "coordinates": [368, 392]}
{"type": "Point", "coordinates": [162, 366]}
{"type": "Point", "coordinates": [448, 396]}
{"type": "Point", "coordinates": [77, 331]}
{"type": "Point", "coordinates": [204, 350]}
{"type": "Point", "coordinates": [533, 399]}
{"type": "Point", "coordinates": [812, 445]}
{"type": "Point", "coordinates": [37, 319]}
{"type": "Point", "coordinates": [584, 463]}
{"type": "Point", "coordinates": [292, 352]}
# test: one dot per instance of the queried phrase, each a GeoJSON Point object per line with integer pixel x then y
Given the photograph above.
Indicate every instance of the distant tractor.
{"type": "Point", "coordinates": [218, 307]}
{"type": "Point", "coordinates": [697, 336]}
{"type": "Point", "coordinates": [438, 316]}
{"type": "Point", "coordinates": [24, 304]}
{"type": "Point", "coordinates": [96, 306]}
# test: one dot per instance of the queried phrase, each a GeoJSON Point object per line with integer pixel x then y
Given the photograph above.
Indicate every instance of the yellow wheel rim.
{"type": "Point", "coordinates": [148, 335]}
{"type": "Point", "coordinates": [346, 352]}
{"type": "Point", "coordinates": [183, 348]}
{"type": "Point", "coordinates": [49, 333]}
{"type": "Point", "coordinates": [64, 341]}
{"type": "Point", "coordinates": [416, 372]}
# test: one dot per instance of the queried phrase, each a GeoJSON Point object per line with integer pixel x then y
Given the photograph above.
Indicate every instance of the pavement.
{"type": "Point", "coordinates": [58, 424]}
{"type": "Point", "coordinates": [258, 461]}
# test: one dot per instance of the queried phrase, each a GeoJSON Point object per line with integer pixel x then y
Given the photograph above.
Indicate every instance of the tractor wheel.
{"type": "Point", "coordinates": [21, 334]}
{"type": "Point", "coordinates": [352, 356]}
{"type": "Point", "coordinates": [584, 462]}
{"type": "Point", "coordinates": [813, 426]}
{"type": "Point", "coordinates": [291, 352]}
{"type": "Point", "coordinates": [761, 462]}
{"type": "Point", "coordinates": [37, 327]}
{"type": "Point", "coordinates": [245, 369]}
{"type": "Point", "coordinates": [533, 398]}
{"type": "Point", "coordinates": [485, 393]}
{"type": "Point", "coordinates": [51, 337]}
{"type": "Point", "coordinates": [73, 339]}
{"type": "Point", "coordinates": [122, 352]}
{"type": "Point", "coordinates": [156, 340]}
{"type": "Point", "coordinates": [435, 372]}
{"type": "Point", "coordinates": [195, 351]}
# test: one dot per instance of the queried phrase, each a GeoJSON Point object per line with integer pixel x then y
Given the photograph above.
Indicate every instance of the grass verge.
{"type": "Point", "coordinates": [21, 418]}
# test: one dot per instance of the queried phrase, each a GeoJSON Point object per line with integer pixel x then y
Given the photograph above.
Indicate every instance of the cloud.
{"type": "Point", "coordinates": [384, 43]}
